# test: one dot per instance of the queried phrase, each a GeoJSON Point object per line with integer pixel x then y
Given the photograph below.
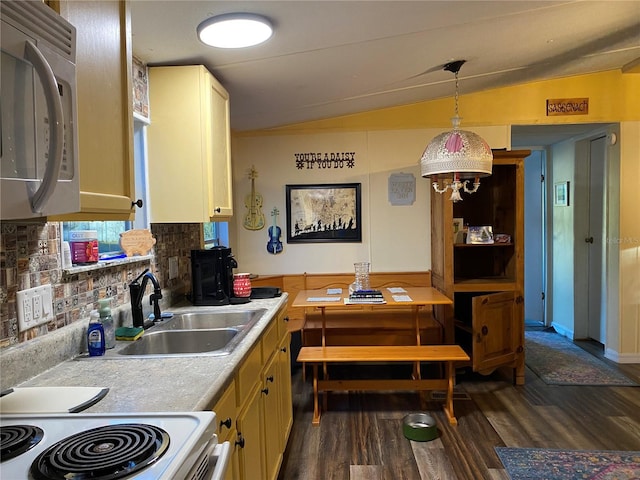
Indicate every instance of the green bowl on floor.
{"type": "Point", "coordinates": [419, 427]}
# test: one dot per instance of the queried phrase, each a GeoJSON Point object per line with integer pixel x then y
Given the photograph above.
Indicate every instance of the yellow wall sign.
{"type": "Point", "coordinates": [567, 106]}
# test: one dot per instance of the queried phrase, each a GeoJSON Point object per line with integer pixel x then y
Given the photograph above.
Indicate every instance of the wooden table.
{"type": "Point", "coordinates": [419, 297]}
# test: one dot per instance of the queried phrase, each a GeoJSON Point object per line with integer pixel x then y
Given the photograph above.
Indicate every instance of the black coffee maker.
{"type": "Point", "coordinates": [212, 276]}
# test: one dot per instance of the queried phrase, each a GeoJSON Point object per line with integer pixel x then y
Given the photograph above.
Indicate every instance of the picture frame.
{"type": "Point", "coordinates": [458, 230]}
{"type": "Point", "coordinates": [561, 194]}
{"type": "Point", "coordinates": [480, 235]}
{"type": "Point", "coordinates": [319, 213]}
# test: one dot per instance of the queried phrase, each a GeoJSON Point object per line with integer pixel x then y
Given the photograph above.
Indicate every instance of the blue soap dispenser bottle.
{"type": "Point", "coordinates": [95, 335]}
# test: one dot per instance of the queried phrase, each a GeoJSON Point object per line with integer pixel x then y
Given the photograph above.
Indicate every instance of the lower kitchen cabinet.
{"type": "Point", "coordinates": [271, 419]}
{"type": "Point", "coordinates": [255, 413]}
{"type": "Point", "coordinates": [226, 416]}
{"type": "Point", "coordinates": [286, 402]}
{"type": "Point", "coordinates": [249, 424]}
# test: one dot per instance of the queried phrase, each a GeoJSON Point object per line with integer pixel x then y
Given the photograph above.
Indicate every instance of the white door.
{"type": "Point", "coordinates": [589, 239]}
{"type": "Point", "coordinates": [595, 239]}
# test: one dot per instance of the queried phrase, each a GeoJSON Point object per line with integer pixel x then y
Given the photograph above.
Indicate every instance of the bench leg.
{"type": "Point", "coordinates": [448, 405]}
{"type": "Point", "coordinates": [316, 406]}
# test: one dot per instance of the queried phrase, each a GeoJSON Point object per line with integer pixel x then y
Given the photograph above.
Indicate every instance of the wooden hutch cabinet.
{"type": "Point", "coordinates": [485, 281]}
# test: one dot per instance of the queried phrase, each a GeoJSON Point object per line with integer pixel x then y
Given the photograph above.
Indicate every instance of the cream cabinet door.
{"type": "Point", "coordinates": [272, 424]}
{"type": "Point", "coordinates": [221, 188]}
{"type": "Point", "coordinates": [105, 108]}
{"type": "Point", "coordinates": [251, 457]}
{"type": "Point", "coordinates": [189, 162]}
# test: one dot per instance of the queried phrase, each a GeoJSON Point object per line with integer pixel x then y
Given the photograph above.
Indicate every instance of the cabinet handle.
{"type": "Point", "coordinates": [270, 378]}
{"type": "Point", "coordinates": [138, 203]}
{"type": "Point", "coordinates": [240, 441]}
{"type": "Point", "coordinates": [226, 423]}
{"type": "Point", "coordinates": [286, 319]}
{"type": "Point", "coordinates": [589, 239]}
{"type": "Point", "coordinates": [217, 210]}
{"type": "Point", "coordinates": [265, 391]}
{"type": "Point", "coordinates": [485, 330]}
{"type": "Point", "coordinates": [283, 349]}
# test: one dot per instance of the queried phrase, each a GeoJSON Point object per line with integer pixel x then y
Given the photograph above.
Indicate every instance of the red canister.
{"type": "Point", "coordinates": [241, 285]}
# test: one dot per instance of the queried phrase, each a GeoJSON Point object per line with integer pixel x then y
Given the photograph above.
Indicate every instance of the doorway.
{"type": "Point", "coordinates": [580, 290]}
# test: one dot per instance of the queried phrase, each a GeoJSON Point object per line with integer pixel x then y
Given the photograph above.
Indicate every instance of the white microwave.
{"type": "Point", "coordinates": [39, 149]}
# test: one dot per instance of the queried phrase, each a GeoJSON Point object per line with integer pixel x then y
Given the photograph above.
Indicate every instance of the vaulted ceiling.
{"type": "Point", "coordinates": [331, 58]}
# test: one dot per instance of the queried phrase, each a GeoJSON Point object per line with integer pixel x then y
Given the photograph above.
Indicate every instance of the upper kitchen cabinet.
{"type": "Point", "coordinates": [105, 118]}
{"type": "Point", "coordinates": [189, 158]}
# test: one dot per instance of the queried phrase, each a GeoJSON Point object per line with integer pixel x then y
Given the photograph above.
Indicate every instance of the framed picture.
{"type": "Point", "coordinates": [561, 194]}
{"type": "Point", "coordinates": [480, 235]}
{"type": "Point", "coordinates": [323, 213]}
{"type": "Point", "coordinates": [458, 230]}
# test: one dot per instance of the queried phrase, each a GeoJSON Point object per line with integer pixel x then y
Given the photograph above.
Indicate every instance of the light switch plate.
{"type": "Point", "coordinates": [34, 307]}
{"type": "Point", "coordinates": [173, 268]}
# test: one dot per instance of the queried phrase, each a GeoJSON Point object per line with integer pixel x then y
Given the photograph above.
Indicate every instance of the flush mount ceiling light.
{"type": "Point", "coordinates": [234, 30]}
{"type": "Point", "coordinates": [456, 155]}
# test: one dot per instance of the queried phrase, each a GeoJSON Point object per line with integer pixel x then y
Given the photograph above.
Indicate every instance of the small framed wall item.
{"type": "Point", "coordinates": [323, 213]}
{"type": "Point", "coordinates": [561, 194]}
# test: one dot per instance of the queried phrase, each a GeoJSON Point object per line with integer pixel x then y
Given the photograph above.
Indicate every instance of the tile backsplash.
{"type": "Point", "coordinates": [30, 256]}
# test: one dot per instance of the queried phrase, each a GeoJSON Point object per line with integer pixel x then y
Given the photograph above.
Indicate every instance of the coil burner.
{"type": "Point", "coordinates": [103, 453]}
{"type": "Point", "coordinates": [17, 439]}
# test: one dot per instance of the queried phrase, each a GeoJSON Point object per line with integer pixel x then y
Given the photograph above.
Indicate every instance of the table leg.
{"type": "Point", "coordinates": [448, 405]}
{"type": "Point", "coordinates": [416, 319]}
{"type": "Point", "coordinates": [316, 406]}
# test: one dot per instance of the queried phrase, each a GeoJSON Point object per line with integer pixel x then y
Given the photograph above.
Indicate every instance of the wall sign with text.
{"type": "Point", "coordinates": [567, 106]}
{"type": "Point", "coordinates": [324, 160]}
{"type": "Point", "coordinates": [402, 189]}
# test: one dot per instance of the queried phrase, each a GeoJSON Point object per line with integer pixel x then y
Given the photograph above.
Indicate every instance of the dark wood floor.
{"type": "Point", "coordinates": [360, 437]}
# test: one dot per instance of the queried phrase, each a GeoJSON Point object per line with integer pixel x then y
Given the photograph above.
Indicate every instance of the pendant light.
{"type": "Point", "coordinates": [456, 156]}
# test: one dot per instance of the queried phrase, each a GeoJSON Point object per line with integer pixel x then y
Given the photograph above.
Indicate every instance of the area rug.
{"type": "Point", "coordinates": [558, 361]}
{"type": "Point", "coordinates": [550, 464]}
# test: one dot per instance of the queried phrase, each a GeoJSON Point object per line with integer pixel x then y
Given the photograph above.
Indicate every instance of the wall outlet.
{"type": "Point", "coordinates": [173, 268]}
{"type": "Point", "coordinates": [34, 307]}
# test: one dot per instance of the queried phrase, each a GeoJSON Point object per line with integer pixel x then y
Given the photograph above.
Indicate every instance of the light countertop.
{"type": "Point", "coordinates": [153, 384]}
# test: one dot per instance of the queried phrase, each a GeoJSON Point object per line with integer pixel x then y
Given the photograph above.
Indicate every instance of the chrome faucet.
{"type": "Point", "coordinates": [136, 291]}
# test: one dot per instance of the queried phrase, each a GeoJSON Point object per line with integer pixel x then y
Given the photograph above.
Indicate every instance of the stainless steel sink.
{"type": "Point", "coordinates": [183, 342]}
{"type": "Point", "coordinates": [207, 320]}
{"type": "Point", "coordinates": [197, 331]}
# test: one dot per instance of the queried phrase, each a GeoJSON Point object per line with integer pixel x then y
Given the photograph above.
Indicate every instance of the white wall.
{"type": "Point", "coordinates": [626, 348]}
{"type": "Point", "coordinates": [562, 288]}
{"type": "Point", "coordinates": [394, 238]}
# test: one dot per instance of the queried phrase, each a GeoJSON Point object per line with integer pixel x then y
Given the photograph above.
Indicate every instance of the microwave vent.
{"type": "Point", "coordinates": [41, 22]}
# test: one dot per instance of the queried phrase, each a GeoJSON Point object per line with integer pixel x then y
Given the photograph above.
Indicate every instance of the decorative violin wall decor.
{"type": "Point", "coordinates": [274, 245]}
{"type": "Point", "coordinates": [254, 218]}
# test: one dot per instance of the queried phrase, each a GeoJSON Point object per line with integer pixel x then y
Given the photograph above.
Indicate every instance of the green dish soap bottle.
{"type": "Point", "coordinates": [107, 323]}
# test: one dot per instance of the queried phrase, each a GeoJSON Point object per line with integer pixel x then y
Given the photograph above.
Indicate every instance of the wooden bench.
{"type": "Point", "coordinates": [449, 354]}
{"type": "Point", "coordinates": [371, 327]}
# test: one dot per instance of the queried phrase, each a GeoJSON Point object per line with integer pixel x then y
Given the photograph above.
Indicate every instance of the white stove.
{"type": "Point", "coordinates": [79, 446]}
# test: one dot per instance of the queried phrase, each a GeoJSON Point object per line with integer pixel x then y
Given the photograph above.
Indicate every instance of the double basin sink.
{"type": "Point", "coordinates": [203, 333]}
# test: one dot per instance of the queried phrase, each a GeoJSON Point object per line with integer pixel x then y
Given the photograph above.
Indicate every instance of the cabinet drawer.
{"type": "Point", "coordinates": [225, 411]}
{"type": "Point", "coordinates": [269, 341]}
{"type": "Point", "coordinates": [248, 374]}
